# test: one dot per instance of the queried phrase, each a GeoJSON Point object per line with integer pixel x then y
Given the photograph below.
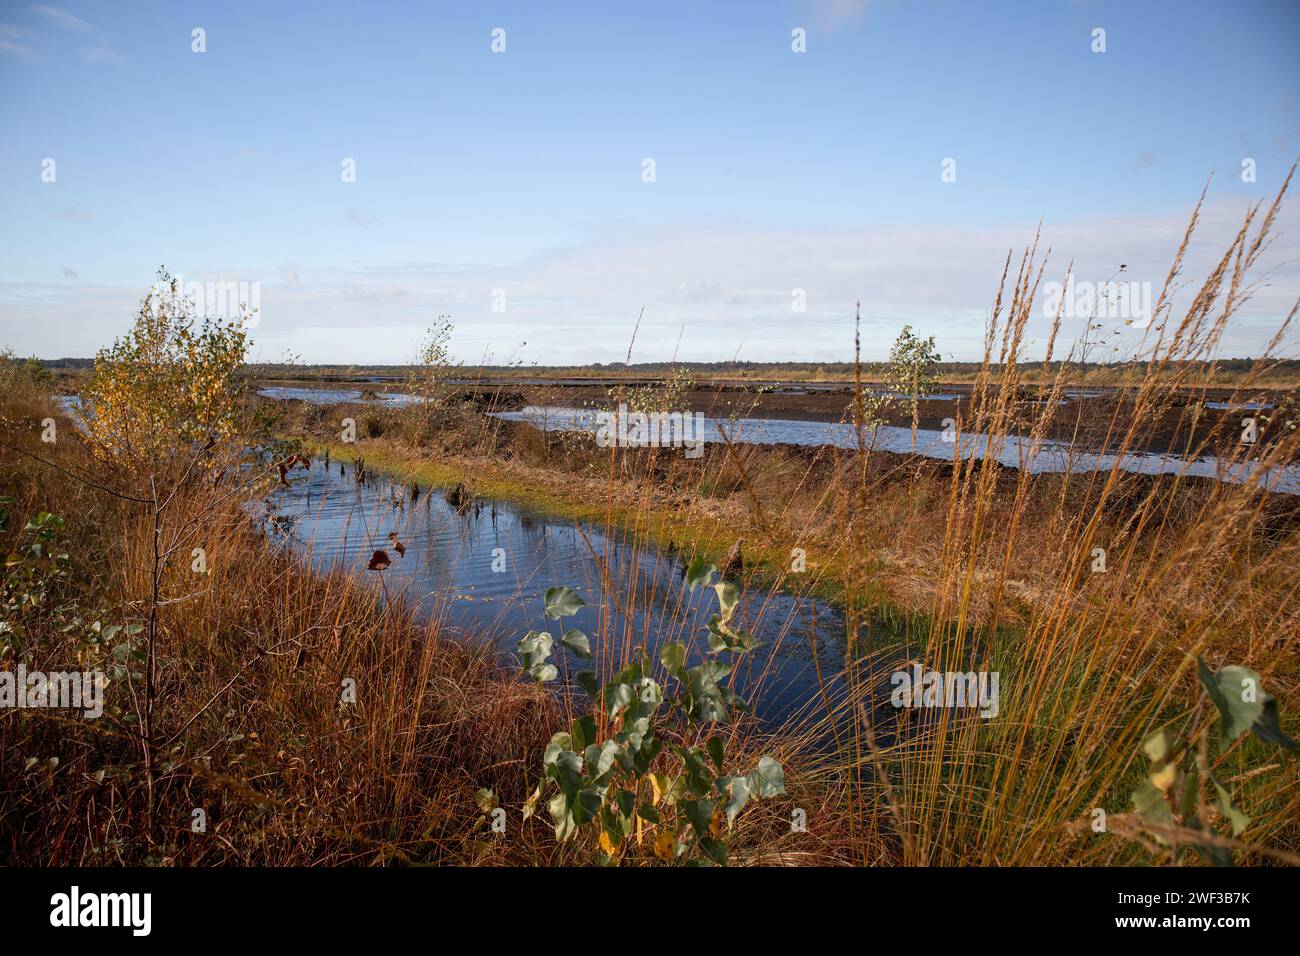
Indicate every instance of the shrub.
{"type": "Point", "coordinates": [610, 784]}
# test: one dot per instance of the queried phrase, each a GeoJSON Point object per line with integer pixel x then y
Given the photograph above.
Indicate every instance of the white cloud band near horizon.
{"type": "Point", "coordinates": [726, 290]}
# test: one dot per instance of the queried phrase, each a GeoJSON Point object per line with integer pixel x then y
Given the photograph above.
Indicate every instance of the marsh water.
{"type": "Point", "coordinates": [483, 570]}
{"type": "Point", "coordinates": [1042, 456]}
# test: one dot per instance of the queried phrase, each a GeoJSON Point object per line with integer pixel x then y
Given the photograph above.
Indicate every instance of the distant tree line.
{"type": "Point", "coordinates": [1228, 367]}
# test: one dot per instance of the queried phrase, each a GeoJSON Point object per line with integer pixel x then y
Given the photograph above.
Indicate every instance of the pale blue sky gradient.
{"type": "Point", "coordinates": [522, 170]}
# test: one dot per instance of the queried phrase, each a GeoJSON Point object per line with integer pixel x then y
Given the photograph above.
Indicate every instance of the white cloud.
{"type": "Point", "coordinates": [75, 214]}
{"type": "Point", "coordinates": [101, 54]}
{"type": "Point", "coordinates": [726, 285]}
{"type": "Point", "coordinates": [830, 15]}
{"type": "Point", "coordinates": [64, 18]}
{"type": "Point", "coordinates": [10, 36]}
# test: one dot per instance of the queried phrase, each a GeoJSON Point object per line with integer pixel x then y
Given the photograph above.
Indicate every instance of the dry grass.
{"type": "Point", "coordinates": [248, 676]}
{"type": "Point", "coordinates": [994, 566]}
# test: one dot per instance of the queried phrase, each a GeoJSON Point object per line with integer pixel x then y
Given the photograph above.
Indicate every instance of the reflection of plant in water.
{"type": "Point", "coordinates": [609, 784]}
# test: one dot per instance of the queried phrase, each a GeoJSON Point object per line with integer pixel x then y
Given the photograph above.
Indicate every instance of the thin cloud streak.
{"type": "Point", "coordinates": [64, 18]}
{"type": "Point", "coordinates": [726, 285]}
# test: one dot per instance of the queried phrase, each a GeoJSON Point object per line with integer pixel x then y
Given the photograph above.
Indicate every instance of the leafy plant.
{"type": "Point", "coordinates": [33, 576]}
{"type": "Point", "coordinates": [18, 373]}
{"type": "Point", "coordinates": [169, 384]}
{"type": "Point", "coordinates": [1171, 801]}
{"type": "Point", "coordinates": [668, 395]}
{"type": "Point", "coordinates": [654, 769]}
{"type": "Point", "coordinates": [433, 368]}
{"type": "Point", "coordinates": [913, 369]}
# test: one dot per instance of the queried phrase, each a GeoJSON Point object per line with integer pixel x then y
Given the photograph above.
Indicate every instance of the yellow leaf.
{"type": "Point", "coordinates": [607, 844]}
{"type": "Point", "coordinates": [1164, 776]}
{"type": "Point", "coordinates": [665, 845]}
{"type": "Point", "coordinates": [658, 787]}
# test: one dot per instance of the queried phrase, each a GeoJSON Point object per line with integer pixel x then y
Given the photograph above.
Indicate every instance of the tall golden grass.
{"type": "Point", "coordinates": [975, 567]}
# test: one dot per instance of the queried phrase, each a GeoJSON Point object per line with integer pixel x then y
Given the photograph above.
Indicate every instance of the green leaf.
{"type": "Point", "coordinates": [584, 732]}
{"type": "Point", "coordinates": [648, 813]}
{"type": "Point", "coordinates": [699, 813]}
{"type": "Point", "coordinates": [699, 572]}
{"type": "Point", "coordinates": [562, 602]}
{"type": "Point", "coordinates": [723, 638]}
{"type": "Point", "coordinates": [736, 790]}
{"type": "Point", "coordinates": [767, 780]}
{"type": "Point", "coordinates": [625, 802]}
{"type": "Point", "coordinates": [715, 850]}
{"type": "Point", "coordinates": [728, 595]}
{"type": "Point", "coordinates": [534, 648]}
{"type": "Point", "coordinates": [577, 642]}
{"type": "Point", "coordinates": [1226, 690]}
{"type": "Point", "coordinates": [1243, 705]}
{"type": "Point", "coordinates": [565, 826]}
{"type": "Point", "coordinates": [1150, 804]}
{"type": "Point", "coordinates": [673, 657]}
{"type": "Point", "coordinates": [612, 825]}
{"type": "Point", "coordinates": [559, 743]}
{"type": "Point", "coordinates": [705, 698]}
{"type": "Point", "coordinates": [649, 692]}
{"type": "Point", "coordinates": [1267, 727]}
{"type": "Point", "coordinates": [1231, 812]}
{"type": "Point", "coordinates": [716, 749]}
{"type": "Point", "coordinates": [697, 778]}
{"type": "Point", "coordinates": [1190, 791]}
{"type": "Point", "coordinates": [617, 696]}
{"type": "Point", "coordinates": [536, 642]}
{"type": "Point", "coordinates": [588, 805]}
{"type": "Point", "coordinates": [588, 682]}
{"type": "Point", "coordinates": [600, 759]}
{"type": "Point", "coordinates": [567, 772]}
{"type": "Point", "coordinates": [544, 672]}
{"type": "Point", "coordinates": [1158, 747]}
{"type": "Point", "coordinates": [635, 730]}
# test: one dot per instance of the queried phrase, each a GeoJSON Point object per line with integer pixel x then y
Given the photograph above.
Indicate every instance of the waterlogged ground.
{"type": "Point", "coordinates": [1014, 452]}
{"type": "Point", "coordinates": [483, 571]}
{"type": "Point", "coordinates": [1046, 455]}
{"type": "Point", "coordinates": [333, 396]}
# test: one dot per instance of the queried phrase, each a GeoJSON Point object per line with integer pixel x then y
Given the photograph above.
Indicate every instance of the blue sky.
{"type": "Point", "coordinates": [521, 171]}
